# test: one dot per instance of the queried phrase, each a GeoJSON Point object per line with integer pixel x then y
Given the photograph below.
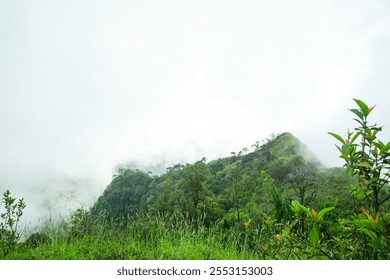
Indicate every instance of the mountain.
{"type": "Point", "coordinates": [246, 184]}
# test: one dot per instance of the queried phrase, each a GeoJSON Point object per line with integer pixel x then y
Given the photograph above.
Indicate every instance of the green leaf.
{"type": "Point", "coordinates": [386, 148]}
{"type": "Point", "coordinates": [346, 148]}
{"type": "Point", "coordinates": [379, 145]}
{"type": "Point", "coordinates": [357, 113]}
{"type": "Point", "coordinates": [295, 203]}
{"type": "Point", "coordinates": [363, 106]}
{"type": "Point", "coordinates": [369, 233]}
{"type": "Point", "coordinates": [360, 122]}
{"type": "Point", "coordinates": [359, 193]}
{"type": "Point", "coordinates": [324, 211]}
{"type": "Point", "coordinates": [338, 137]}
{"type": "Point", "coordinates": [369, 192]}
{"type": "Point", "coordinates": [354, 137]}
{"type": "Point", "coordinates": [296, 206]}
{"type": "Point", "coordinates": [306, 210]}
{"type": "Point", "coordinates": [370, 224]}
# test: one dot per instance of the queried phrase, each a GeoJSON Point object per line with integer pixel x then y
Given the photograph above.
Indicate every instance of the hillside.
{"type": "Point", "coordinates": [246, 184]}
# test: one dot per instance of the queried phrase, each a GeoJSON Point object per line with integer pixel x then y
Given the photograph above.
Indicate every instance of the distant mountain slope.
{"type": "Point", "coordinates": [246, 183]}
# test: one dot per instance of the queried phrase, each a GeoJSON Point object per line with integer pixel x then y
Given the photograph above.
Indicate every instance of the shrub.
{"type": "Point", "coordinates": [9, 220]}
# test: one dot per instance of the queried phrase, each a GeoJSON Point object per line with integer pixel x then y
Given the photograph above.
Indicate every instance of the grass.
{"type": "Point", "coordinates": [148, 238]}
{"type": "Point", "coordinates": [175, 238]}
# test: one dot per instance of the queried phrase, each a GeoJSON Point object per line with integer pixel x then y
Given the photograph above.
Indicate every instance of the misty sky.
{"type": "Point", "coordinates": [88, 85]}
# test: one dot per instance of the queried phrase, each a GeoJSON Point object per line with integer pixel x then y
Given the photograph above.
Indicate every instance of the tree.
{"type": "Point", "coordinates": [193, 181]}
{"type": "Point", "coordinates": [233, 174]}
{"type": "Point", "coordinates": [166, 194]}
{"type": "Point", "coordinates": [124, 196]}
{"type": "Point", "coordinates": [297, 176]}
{"type": "Point", "coordinates": [302, 178]}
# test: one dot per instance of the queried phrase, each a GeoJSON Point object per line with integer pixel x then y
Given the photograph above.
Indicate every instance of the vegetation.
{"type": "Point", "coordinates": [9, 220]}
{"type": "Point", "coordinates": [274, 202]}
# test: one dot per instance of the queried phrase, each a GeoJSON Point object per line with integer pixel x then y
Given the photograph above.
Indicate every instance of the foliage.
{"type": "Point", "coordinates": [193, 178]}
{"type": "Point", "coordinates": [144, 237]}
{"type": "Point", "coordinates": [233, 177]}
{"type": "Point", "coordinates": [124, 195]}
{"type": "Point", "coordinates": [9, 220]}
{"type": "Point", "coordinates": [368, 159]}
{"type": "Point", "coordinates": [37, 239]}
{"type": "Point", "coordinates": [80, 223]}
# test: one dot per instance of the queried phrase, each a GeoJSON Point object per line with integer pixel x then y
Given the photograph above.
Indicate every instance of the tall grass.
{"type": "Point", "coordinates": [141, 237]}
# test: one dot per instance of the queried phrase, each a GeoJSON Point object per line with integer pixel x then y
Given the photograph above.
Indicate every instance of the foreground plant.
{"type": "Point", "coordinates": [9, 220]}
{"type": "Point", "coordinates": [368, 159]}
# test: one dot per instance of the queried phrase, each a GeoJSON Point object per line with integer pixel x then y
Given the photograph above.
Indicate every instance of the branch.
{"type": "Point", "coordinates": [386, 198]}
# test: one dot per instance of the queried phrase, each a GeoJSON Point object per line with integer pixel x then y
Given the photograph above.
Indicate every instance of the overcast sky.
{"type": "Point", "coordinates": [88, 85]}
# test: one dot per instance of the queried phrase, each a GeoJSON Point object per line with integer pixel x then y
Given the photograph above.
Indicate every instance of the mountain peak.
{"type": "Point", "coordinates": [286, 145]}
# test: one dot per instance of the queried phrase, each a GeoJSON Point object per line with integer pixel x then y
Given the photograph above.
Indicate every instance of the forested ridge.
{"type": "Point", "coordinates": [248, 184]}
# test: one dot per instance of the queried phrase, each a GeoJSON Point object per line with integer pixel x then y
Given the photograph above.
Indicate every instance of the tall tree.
{"type": "Point", "coordinates": [193, 181]}
{"type": "Point", "coordinates": [302, 178]}
{"type": "Point", "coordinates": [233, 174]}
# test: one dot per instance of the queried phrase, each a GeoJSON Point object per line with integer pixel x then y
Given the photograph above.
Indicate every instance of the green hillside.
{"type": "Point", "coordinates": [236, 188]}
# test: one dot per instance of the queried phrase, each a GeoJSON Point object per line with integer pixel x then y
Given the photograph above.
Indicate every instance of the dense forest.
{"type": "Point", "coordinates": [272, 201]}
{"type": "Point", "coordinates": [246, 185]}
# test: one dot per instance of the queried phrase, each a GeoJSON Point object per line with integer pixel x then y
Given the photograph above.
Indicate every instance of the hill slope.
{"type": "Point", "coordinates": [246, 184]}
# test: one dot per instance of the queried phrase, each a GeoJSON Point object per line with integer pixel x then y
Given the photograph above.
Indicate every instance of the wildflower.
{"type": "Point", "coordinates": [364, 211]}
{"type": "Point", "coordinates": [376, 151]}
{"type": "Point", "coordinates": [265, 249]}
{"type": "Point", "coordinates": [347, 141]}
{"type": "Point", "coordinates": [246, 224]}
{"type": "Point", "coordinates": [376, 219]}
{"type": "Point", "coordinates": [267, 222]}
{"type": "Point", "coordinates": [363, 140]}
